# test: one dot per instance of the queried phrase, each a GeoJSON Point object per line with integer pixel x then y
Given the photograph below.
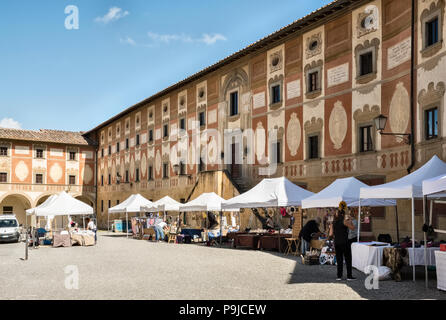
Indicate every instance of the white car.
{"type": "Point", "coordinates": [9, 228]}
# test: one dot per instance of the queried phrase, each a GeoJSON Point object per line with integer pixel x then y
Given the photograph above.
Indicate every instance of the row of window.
{"type": "Point", "coordinates": [39, 153]}
{"type": "Point", "coordinates": [38, 178]}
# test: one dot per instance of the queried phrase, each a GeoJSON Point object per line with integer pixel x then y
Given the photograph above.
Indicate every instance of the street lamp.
{"type": "Point", "coordinates": [380, 124]}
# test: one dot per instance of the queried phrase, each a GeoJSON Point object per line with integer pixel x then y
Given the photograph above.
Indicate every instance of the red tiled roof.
{"type": "Point", "coordinates": [46, 135]}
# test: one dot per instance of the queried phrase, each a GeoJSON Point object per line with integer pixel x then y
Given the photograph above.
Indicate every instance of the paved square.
{"type": "Point", "coordinates": [120, 268]}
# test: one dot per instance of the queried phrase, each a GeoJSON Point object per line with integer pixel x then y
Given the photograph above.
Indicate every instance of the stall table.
{"type": "Point", "coordinates": [249, 240]}
{"type": "Point", "coordinates": [440, 260]}
{"type": "Point", "coordinates": [367, 253]}
{"type": "Point", "coordinates": [273, 242]}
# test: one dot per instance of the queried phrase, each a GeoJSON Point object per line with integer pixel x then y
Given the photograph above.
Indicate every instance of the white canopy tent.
{"type": "Point", "coordinates": [276, 192]}
{"type": "Point", "coordinates": [407, 187]}
{"type": "Point", "coordinates": [434, 188]}
{"type": "Point", "coordinates": [163, 204]}
{"type": "Point", "coordinates": [207, 202]}
{"type": "Point", "coordinates": [61, 204]}
{"type": "Point", "coordinates": [132, 204]}
{"type": "Point", "coordinates": [346, 189]}
{"type": "Point", "coordinates": [204, 202]}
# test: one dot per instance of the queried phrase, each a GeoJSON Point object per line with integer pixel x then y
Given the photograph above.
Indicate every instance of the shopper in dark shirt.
{"type": "Point", "coordinates": [310, 229]}
{"type": "Point", "coordinates": [339, 230]}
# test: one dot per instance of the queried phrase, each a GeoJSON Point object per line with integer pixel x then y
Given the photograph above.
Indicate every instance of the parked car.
{"type": "Point", "coordinates": [9, 228]}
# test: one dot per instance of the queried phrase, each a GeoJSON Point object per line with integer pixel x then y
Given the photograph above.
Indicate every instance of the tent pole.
{"type": "Point", "coordinates": [397, 225]}
{"type": "Point", "coordinates": [413, 236]}
{"type": "Point", "coordinates": [359, 220]}
{"type": "Point", "coordinates": [221, 226]}
{"type": "Point", "coordinates": [126, 226]}
{"type": "Point", "coordinates": [26, 237]}
{"type": "Point", "coordinates": [425, 248]}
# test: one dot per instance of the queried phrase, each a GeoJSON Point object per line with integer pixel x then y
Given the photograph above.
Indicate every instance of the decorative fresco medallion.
{"type": "Point", "coordinates": [21, 171]}
{"type": "Point", "coordinates": [293, 134]}
{"type": "Point", "coordinates": [337, 125]}
{"type": "Point", "coordinates": [56, 172]}
{"type": "Point", "coordinates": [399, 110]}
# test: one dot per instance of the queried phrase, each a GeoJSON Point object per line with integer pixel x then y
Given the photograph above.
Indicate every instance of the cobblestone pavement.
{"type": "Point", "coordinates": [120, 268]}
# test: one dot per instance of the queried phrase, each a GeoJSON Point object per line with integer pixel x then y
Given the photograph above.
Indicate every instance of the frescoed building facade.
{"type": "Point", "coordinates": [304, 99]}
{"type": "Point", "coordinates": [37, 164]}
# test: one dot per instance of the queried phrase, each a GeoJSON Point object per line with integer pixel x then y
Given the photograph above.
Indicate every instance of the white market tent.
{"type": "Point", "coordinates": [163, 204]}
{"type": "Point", "coordinates": [346, 189]}
{"type": "Point", "coordinates": [432, 188]}
{"type": "Point", "coordinates": [132, 204]}
{"type": "Point", "coordinates": [276, 192]}
{"type": "Point", "coordinates": [407, 187]}
{"type": "Point", "coordinates": [204, 202]}
{"type": "Point", "coordinates": [61, 204]}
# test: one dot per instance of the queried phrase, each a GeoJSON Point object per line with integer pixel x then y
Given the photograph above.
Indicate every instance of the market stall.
{"type": "Point", "coordinates": [407, 187]}
{"type": "Point", "coordinates": [132, 204]}
{"type": "Point", "coordinates": [434, 189]}
{"type": "Point", "coordinates": [204, 203]}
{"type": "Point", "coordinates": [61, 205]}
{"type": "Point", "coordinates": [164, 205]}
{"type": "Point", "coordinates": [269, 193]}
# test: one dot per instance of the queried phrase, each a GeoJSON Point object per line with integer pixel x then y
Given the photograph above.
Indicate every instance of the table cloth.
{"type": "Point", "coordinates": [364, 254]}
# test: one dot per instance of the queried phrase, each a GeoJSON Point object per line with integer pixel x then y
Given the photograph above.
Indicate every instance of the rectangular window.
{"type": "Point", "coordinates": [365, 138]}
{"type": "Point", "coordinates": [137, 174]}
{"type": "Point", "coordinates": [150, 173]}
{"type": "Point", "coordinates": [275, 94]}
{"type": "Point", "coordinates": [277, 152]}
{"type": "Point", "coordinates": [39, 178]}
{"type": "Point", "coordinates": [182, 168]}
{"type": "Point", "coordinates": [102, 205]}
{"type": "Point", "coordinates": [117, 202]}
{"type": "Point", "coordinates": [102, 180]}
{"type": "Point", "coordinates": [165, 170]}
{"type": "Point", "coordinates": [202, 119]}
{"type": "Point", "coordinates": [431, 123]}
{"type": "Point", "coordinates": [432, 32]}
{"type": "Point", "coordinates": [3, 177]}
{"type": "Point", "coordinates": [201, 165]}
{"type": "Point", "coordinates": [234, 103]}
{"type": "Point", "coordinates": [102, 153]}
{"type": "Point", "coordinates": [3, 151]}
{"type": "Point", "coordinates": [150, 135]}
{"type": "Point", "coordinates": [117, 147]}
{"type": "Point", "coordinates": [127, 143]}
{"type": "Point", "coordinates": [8, 210]}
{"type": "Point", "coordinates": [109, 178]}
{"type": "Point", "coordinates": [109, 204]}
{"type": "Point", "coordinates": [313, 84]}
{"type": "Point", "coordinates": [39, 153]}
{"type": "Point", "coordinates": [183, 124]}
{"type": "Point", "coordinates": [313, 144]}
{"type": "Point", "coordinates": [109, 150]}
{"type": "Point", "coordinates": [366, 63]}
{"type": "Point", "coordinates": [137, 139]}
{"type": "Point", "coordinates": [72, 155]}
{"type": "Point", "coordinates": [126, 176]}
{"type": "Point", "coordinates": [118, 178]}
{"type": "Point", "coordinates": [72, 180]}
{"type": "Point", "coordinates": [165, 131]}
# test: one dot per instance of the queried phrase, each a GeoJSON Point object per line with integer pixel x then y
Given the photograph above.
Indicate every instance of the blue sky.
{"type": "Point", "coordinates": [122, 53]}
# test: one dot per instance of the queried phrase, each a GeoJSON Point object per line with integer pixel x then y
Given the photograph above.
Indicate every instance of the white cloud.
{"type": "Point", "coordinates": [128, 40]}
{"type": "Point", "coordinates": [10, 123]}
{"type": "Point", "coordinates": [113, 14]}
{"type": "Point", "coordinates": [211, 39]}
{"type": "Point", "coordinates": [208, 39]}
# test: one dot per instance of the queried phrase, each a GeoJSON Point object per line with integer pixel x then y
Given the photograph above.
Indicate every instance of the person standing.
{"type": "Point", "coordinates": [310, 230]}
{"type": "Point", "coordinates": [92, 227]}
{"type": "Point", "coordinates": [159, 230]}
{"type": "Point", "coordinates": [339, 230]}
